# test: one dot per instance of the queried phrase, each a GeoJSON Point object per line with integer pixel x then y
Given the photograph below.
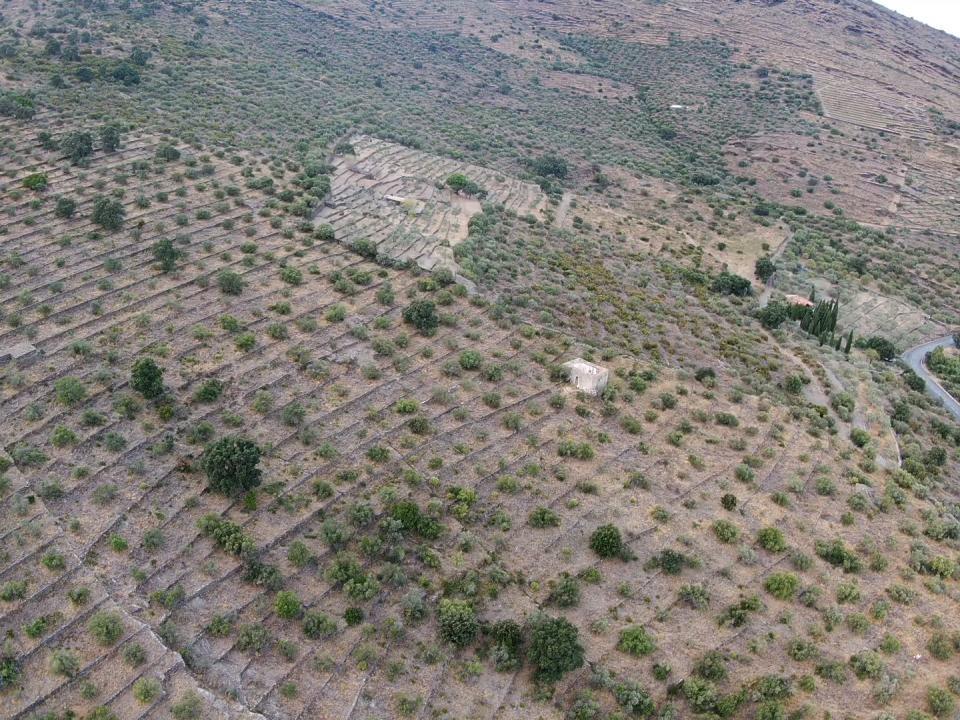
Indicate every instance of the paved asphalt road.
{"type": "Point", "coordinates": [915, 356]}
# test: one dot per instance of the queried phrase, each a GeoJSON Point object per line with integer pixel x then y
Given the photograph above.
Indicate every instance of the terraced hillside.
{"type": "Point", "coordinates": [286, 293]}
{"type": "Point", "coordinates": [398, 200]}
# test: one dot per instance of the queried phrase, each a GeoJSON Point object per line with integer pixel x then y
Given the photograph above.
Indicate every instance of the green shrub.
{"type": "Point", "coordinates": [36, 182]}
{"type": "Point", "coordinates": [62, 436]}
{"type": "Point", "coordinates": [725, 531]}
{"type": "Point", "coordinates": [670, 561]}
{"type": "Point", "coordinates": [458, 622]}
{"type": "Point", "coordinates": [77, 146]}
{"type": "Point", "coordinates": [134, 655]}
{"type": "Point", "coordinates": [147, 378]}
{"type": "Point", "coordinates": [65, 208]}
{"type": "Point", "coordinates": [771, 540]}
{"type": "Point", "coordinates": [54, 562]}
{"type": "Point", "coordinates": [782, 586]}
{"type": "Point", "coordinates": [774, 314]}
{"type": "Point", "coordinates": [147, 689]}
{"type": "Point", "coordinates": [64, 662]}
{"type": "Point", "coordinates": [407, 406]}
{"type": "Point", "coordinates": [572, 449]}
{"type": "Point", "coordinates": [696, 596]}
{"type": "Point", "coordinates": [940, 702]}
{"type": "Point", "coordinates": [188, 707]}
{"type": "Point", "coordinates": [885, 349]}
{"type": "Point", "coordinates": [727, 283]}
{"type": "Point", "coordinates": [941, 647]}
{"type": "Point", "coordinates": [227, 535]}
{"type": "Point", "coordinates": [287, 605]}
{"type": "Point", "coordinates": [422, 314]}
{"type": "Point", "coordinates": [70, 391]}
{"type": "Point", "coordinates": [210, 391]}
{"type": "Point", "coordinates": [108, 213]}
{"type": "Point", "coordinates": [799, 649]}
{"type": "Point", "coordinates": [736, 615]}
{"type": "Point", "coordinates": [711, 666]}
{"type": "Point", "coordinates": [252, 638]}
{"type": "Point", "coordinates": [859, 437]}
{"type": "Point", "coordinates": [13, 590]}
{"type": "Point", "coordinates": [230, 283]}
{"type": "Point", "coordinates": [543, 517]}
{"type": "Point", "coordinates": [470, 360]}
{"type": "Point", "coordinates": [606, 541]}
{"type": "Point", "coordinates": [318, 625]}
{"type": "Point", "coordinates": [337, 313]}
{"type": "Point", "coordinates": [106, 627]}
{"type": "Point", "coordinates": [835, 553]}
{"type": "Point", "coordinates": [565, 592]}
{"type": "Point", "coordinates": [291, 275]}
{"type": "Point", "coordinates": [635, 641]}
{"type": "Point", "coordinates": [867, 665]}
{"type": "Point", "coordinates": [848, 593]}
{"type": "Point", "coordinates": [458, 182]}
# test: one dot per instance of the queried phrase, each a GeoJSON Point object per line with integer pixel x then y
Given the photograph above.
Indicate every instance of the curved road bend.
{"type": "Point", "coordinates": [915, 357]}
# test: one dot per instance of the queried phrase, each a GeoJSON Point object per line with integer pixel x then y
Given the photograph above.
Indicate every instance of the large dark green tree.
{"type": "Point", "coordinates": [147, 378]}
{"type": "Point", "coordinates": [422, 314]}
{"type": "Point", "coordinates": [555, 648]}
{"type": "Point", "coordinates": [108, 213]}
{"type": "Point", "coordinates": [110, 137]}
{"type": "Point", "coordinates": [232, 465]}
{"type": "Point", "coordinates": [125, 73]}
{"type": "Point", "coordinates": [166, 254]}
{"type": "Point", "coordinates": [65, 207]}
{"type": "Point", "coordinates": [77, 146]}
{"type": "Point", "coordinates": [458, 622]}
{"type": "Point", "coordinates": [764, 268]}
{"type": "Point", "coordinates": [727, 283]}
{"type": "Point", "coordinates": [139, 57]}
{"type": "Point", "coordinates": [230, 283]}
{"type": "Point", "coordinates": [551, 165]}
{"type": "Point", "coordinates": [606, 541]}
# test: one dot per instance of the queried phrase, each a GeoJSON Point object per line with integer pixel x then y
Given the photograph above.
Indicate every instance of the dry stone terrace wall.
{"type": "Point", "coordinates": [395, 197]}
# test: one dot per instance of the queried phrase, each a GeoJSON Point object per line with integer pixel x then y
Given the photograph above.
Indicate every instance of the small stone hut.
{"type": "Point", "coordinates": [22, 351]}
{"type": "Point", "coordinates": [586, 376]}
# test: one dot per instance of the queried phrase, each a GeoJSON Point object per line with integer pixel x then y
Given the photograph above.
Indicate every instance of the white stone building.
{"type": "Point", "coordinates": [586, 376]}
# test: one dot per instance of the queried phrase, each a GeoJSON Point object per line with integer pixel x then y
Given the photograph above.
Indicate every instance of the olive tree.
{"type": "Point", "coordinates": [422, 314]}
{"type": "Point", "coordinates": [108, 213]}
{"type": "Point", "coordinates": [110, 138]}
{"type": "Point", "coordinates": [232, 465]}
{"type": "Point", "coordinates": [555, 647]}
{"type": "Point", "coordinates": [458, 622]}
{"type": "Point", "coordinates": [147, 378]}
{"type": "Point", "coordinates": [166, 254]}
{"type": "Point", "coordinates": [77, 146]}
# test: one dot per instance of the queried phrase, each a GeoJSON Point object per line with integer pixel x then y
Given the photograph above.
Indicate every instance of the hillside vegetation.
{"type": "Point", "coordinates": [286, 293]}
